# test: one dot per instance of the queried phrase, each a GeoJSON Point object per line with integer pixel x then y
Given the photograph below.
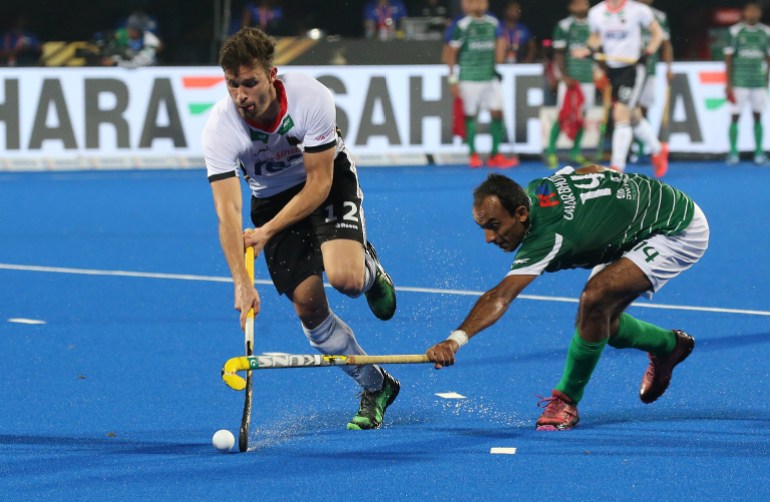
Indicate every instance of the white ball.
{"type": "Point", "coordinates": [223, 440]}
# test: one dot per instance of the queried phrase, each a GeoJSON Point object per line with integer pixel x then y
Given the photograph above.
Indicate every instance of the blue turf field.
{"type": "Point", "coordinates": [118, 394]}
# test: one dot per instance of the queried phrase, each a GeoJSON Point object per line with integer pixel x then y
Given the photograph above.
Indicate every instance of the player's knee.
{"type": "Point", "coordinates": [594, 303]}
{"type": "Point", "coordinates": [347, 282]}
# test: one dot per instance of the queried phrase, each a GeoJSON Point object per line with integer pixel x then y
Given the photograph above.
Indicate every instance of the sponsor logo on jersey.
{"type": "Point", "coordinates": [546, 197]}
{"type": "Point", "coordinates": [521, 261]}
{"type": "Point", "coordinates": [286, 125]}
{"type": "Point", "coordinates": [547, 200]}
{"type": "Point", "coordinates": [616, 35]}
{"type": "Point", "coordinates": [481, 45]}
{"type": "Point", "coordinates": [751, 53]}
{"type": "Point", "coordinates": [259, 136]}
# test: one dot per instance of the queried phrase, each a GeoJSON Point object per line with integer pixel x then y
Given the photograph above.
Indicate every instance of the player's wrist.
{"type": "Point", "coordinates": [458, 336]}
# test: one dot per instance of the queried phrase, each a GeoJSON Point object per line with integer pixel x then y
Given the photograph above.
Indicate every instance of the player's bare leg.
{"type": "Point", "coordinates": [345, 265]}
{"type": "Point", "coordinates": [353, 269]}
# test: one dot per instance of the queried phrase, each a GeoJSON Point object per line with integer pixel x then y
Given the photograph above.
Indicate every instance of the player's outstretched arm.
{"type": "Point", "coordinates": [656, 38]}
{"type": "Point", "coordinates": [227, 202]}
{"type": "Point", "coordinates": [487, 310]}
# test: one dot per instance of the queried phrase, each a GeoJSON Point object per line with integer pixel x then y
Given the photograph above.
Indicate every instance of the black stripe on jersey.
{"type": "Point", "coordinates": [321, 148]}
{"type": "Point", "coordinates": [221, 176]}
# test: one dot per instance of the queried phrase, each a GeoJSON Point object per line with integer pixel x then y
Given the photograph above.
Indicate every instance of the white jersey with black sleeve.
{"type": "Point", "coordinates": [271, 158]}
{"type": "Point", "coordinates": [620, 28]}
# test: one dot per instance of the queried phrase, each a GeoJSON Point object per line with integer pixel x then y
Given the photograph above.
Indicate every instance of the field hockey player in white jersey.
{"type": "Point", "coordinates": [279, 132]}
{"type": "Point", "coordinates": [616, 38]}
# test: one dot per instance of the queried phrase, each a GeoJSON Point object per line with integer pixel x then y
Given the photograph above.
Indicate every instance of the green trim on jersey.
{"type": "Point", "coordinates": [569, 34]}
{"type": "Point", "coordinates": [749, 46]}
{"type": "Point", "coordinates": [476, 39]}
{"type": "Point", "coordinates": [662, 19]}
{"type": "Point", "coordinates": [583, 220]}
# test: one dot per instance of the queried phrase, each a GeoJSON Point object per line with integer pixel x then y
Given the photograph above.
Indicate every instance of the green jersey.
{"type": "Point", "coordinates": [583, 220]}
{"type": "Point", "coordinates": [476, 40]}
{"type": "Point", "coordinates": [662, 19]}
{"type": "Point", "coordinates": [749, 47]}
{"type": "Point", "coordinates": [572, 33]}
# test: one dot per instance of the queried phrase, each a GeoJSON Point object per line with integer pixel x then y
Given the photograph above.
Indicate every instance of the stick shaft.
{"type": "Point", "coordinates": [599, 56]}
{"type": "Point", "coordinates": [318, 360]}
{"type": "Point", "coordinates": [266, 362]}
{"type": "Point", "coordinates": [248, 340]}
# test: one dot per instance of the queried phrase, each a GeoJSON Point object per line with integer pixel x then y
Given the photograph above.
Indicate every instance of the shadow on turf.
{"type": "Point", "coordinates": [114, 445]}
{"type": "Point", "coordinates": [731, 342]}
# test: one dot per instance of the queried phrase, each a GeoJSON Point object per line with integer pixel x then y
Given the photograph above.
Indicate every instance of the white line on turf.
{"type": "Point", "coordinates": [408, 289]}
{"type": "Point", "coordinates": [450, 395]}
{"type": "Point", "coordinates": [22, 320]}
{"type": "Point", "coordinates": [502, 451]}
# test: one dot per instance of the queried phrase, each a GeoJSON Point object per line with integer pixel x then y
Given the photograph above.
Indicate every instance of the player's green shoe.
{"type": "Point", "coordinates": [374, 404]}
{"type": "Point", "coordinates": [382, 295]}
{"type": "Point", "coordinates": [552, 161]}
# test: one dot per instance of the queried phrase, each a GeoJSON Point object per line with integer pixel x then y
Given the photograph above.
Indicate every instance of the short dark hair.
{"type": "Point", "coordinates": [512, 196]}
{"type": "Point", "coordinates": [247, 47]}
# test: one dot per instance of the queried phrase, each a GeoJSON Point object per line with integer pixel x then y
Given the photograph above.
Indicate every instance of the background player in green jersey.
{"type": "Point", "coordinates": [569, 34]}
{"type": "Point", "coordinates": [476, 46]}
{"type": "Point", "coordinates": [635, 232]}
{"type": "Point", "coordinates": [747, 56]}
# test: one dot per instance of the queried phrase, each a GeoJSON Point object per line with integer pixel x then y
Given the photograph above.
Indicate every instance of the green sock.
{"type": "Point", "coordinates": [582, 357]}
{"type": "Point", "coordinates": [470, 133]}
{"type": "Point", "coordinates": [552, 138]}
{"type": "Point", "coordinates": [635, 334]}
{"type": "Point", "coordinates": [639, 147]}
{"type": "Point", "coordinates": [758, 137]}
{"type": "Point", "coordinates": [497, 135]}
{"type": "Point", "coordinates": [576, 144]}
{"type": "Point", "coordinates": [734, 138]}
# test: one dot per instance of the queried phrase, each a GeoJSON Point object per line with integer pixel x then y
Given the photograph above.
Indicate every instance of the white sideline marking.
{"type": "Point", "coordinates": [436, 291]}
{"type": "Point", "coordinates": [450, 395]}
{"type": "Point", "coordinates": [502, 451]}
{"type": "Point", "coordinates": [22, 320]}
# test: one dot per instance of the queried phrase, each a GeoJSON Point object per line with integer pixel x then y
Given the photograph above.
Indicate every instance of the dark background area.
{"type": "Point", "coordinates": [187, 26]}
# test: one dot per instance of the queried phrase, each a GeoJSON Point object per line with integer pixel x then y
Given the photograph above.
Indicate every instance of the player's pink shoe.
{"type": "Point", "coordinates": [475, 161]}
{"type": "Point", "coordinates": [660, 161]}
{"type": "Point", "coordinates": [500, 161]}
{"type": "Point", "coordinates": [560, 413]}
{"type": "Point", "coordinates": [658, 374]}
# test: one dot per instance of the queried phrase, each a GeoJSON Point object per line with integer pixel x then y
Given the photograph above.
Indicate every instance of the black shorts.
{"type": "Point", "coordinates": [294, 254]}
{"type": "Point", "coordinates": [627, 83]}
